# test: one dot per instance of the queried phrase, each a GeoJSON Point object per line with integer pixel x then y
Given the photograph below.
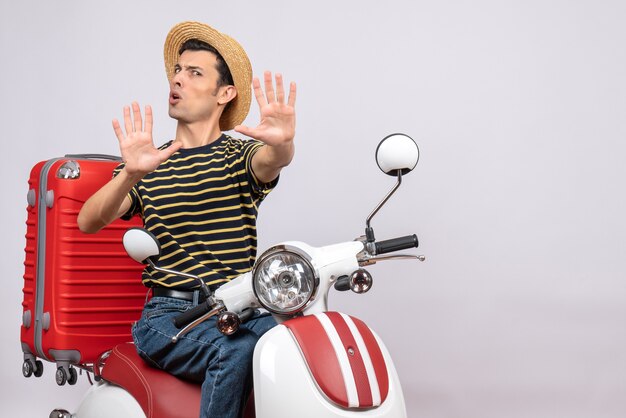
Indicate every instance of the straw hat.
{"type": "Point", "coordinates": [234, 55]}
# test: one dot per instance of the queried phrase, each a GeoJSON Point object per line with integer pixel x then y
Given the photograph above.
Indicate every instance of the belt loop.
{"type": "Point", "coordinates": [196, 294]}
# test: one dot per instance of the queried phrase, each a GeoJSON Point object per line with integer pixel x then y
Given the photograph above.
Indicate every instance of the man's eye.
{"type": "Point", "coordinates": [176, 70]}
{"type": "Point", "coordinates": [196, 72]}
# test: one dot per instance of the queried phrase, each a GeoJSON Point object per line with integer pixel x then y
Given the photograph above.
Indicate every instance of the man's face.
{"type": "Point", "coordinates": [194, 94]}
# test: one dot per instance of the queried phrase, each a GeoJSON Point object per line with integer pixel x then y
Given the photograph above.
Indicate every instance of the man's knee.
{"type": "Point", "coordinates": [243, 344]}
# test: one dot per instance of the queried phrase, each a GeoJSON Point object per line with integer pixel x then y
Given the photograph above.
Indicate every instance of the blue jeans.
{"type": "Point", "coordinates": [222, 364]}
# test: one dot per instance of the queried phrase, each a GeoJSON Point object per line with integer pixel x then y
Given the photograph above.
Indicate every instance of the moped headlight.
{"type": "Point", "coordinates": [284, 280]}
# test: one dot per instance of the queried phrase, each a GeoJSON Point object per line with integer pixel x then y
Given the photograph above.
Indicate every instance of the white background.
{"type": "Point", "coordinates": [518, 199]}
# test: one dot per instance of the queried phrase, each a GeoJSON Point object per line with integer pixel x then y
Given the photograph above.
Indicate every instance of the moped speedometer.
{"type": "Point", "coordinates": [284, 280]}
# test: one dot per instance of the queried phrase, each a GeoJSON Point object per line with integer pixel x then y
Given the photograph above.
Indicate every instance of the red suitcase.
{"type": "Point", "coordinates": [81, 291]}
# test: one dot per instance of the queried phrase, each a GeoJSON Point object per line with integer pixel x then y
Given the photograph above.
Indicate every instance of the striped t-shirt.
{"type": "Point", "coordinates": [201, 204]}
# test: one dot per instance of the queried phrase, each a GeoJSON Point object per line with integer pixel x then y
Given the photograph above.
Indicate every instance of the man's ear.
{"type": "Point", "coordinates": [227, 93]}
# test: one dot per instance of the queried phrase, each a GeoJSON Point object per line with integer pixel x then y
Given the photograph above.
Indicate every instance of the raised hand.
{"type": "Point", "coordinates": [278, 119]}
{"type": "Point", "coordinates": [136, 145]}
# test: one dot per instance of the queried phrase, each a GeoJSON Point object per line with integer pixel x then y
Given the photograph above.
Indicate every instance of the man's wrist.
{"type": "Point", "coordinates": [131, 178]}
{"type": "Point", "coordinates": [282, 154]}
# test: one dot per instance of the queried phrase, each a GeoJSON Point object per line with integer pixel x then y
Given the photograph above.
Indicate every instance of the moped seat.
{"type": "Point", "coordinates": [160, 394]}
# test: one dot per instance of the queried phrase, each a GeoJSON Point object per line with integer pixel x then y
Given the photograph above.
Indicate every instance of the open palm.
{"type": "Point", "coordinates": [136, 145]}
{"type": "Point", "coordinates": [278, 118]}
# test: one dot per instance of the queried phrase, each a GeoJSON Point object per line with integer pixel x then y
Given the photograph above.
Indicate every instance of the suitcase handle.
{"type": "Point", "coordinates": [94, 157]}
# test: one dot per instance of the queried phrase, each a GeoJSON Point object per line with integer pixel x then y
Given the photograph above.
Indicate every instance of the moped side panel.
{"type": "Point", "coordinates": [285, 387]}
{"type": "Point", "coordinates": [104, 400]}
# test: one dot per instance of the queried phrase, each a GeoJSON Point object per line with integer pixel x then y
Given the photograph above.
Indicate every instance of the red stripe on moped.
{"type": "Point", "coordinates": [323, 339]}
{"type": "Point", "coordinates": [356, 360]}
{"type": "Point", "coordinates": [320, 357]}
{"type": "Point", "coordinates": [376, 355]}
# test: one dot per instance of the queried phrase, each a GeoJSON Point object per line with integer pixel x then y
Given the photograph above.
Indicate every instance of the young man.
{"type": "Point", "coordinates": [198, 194]}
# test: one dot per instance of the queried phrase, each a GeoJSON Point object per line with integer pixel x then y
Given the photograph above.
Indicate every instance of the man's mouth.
{"type": "Point", "coordinates": [174, 97]}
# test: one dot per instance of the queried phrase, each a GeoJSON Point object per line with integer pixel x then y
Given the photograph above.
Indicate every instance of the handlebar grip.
{"type": "Point", "coordinates": [396, 244]}
{"type": "Point", "coordinates": [192, 314]}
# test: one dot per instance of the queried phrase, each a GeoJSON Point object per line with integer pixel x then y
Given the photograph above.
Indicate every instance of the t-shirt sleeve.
{"type": "Point", "coordinates": [258, 189]}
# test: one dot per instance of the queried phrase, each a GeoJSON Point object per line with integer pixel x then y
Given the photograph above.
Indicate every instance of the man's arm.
{"type": "Point", "coordinates": [270, 159]}
{"type": "Point", "coordinates": [107, 204]}
{"type": "Point", "coordinates": [276, 129]}
{"type": "Point", "coordinates": [140, 157]}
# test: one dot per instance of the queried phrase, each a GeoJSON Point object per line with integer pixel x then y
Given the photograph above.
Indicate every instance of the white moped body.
{"type": "Point", "coordinates": [313, 364]}
{"type": "Point", "coordinates": [286, 384]}
{"type": "Point", "coordinates": [284, 387]}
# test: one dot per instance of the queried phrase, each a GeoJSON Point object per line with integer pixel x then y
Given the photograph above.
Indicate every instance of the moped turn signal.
{"type": "Point", "coordinates": [228, 323]}
{"type": "Point", "coordinates": [361, 281]}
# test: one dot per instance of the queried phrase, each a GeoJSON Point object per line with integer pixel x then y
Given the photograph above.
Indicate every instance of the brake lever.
{"type": "Point", "coordinates": [219, 308]}
{"type": "Point", "coordinates": [367, 260]}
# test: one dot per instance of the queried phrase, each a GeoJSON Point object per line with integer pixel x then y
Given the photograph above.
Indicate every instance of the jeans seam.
{"type": "Point", "coordinates": [141, 352]}
{"type": "Point", "coordinates": [184, 337]}
{"type": "Point", "coordinates": [219, 372]}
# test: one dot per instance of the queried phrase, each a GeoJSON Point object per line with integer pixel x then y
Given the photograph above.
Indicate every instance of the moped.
{"type": "Point", "coordinates": [314, 363]}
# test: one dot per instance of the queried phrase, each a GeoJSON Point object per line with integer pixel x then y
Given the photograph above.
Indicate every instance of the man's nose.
{"type": "Point", "coordinates": [177, 79]}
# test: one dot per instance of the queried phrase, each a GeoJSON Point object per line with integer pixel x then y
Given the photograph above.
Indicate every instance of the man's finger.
{"type": "Point", "coordinates": [280, 91]}
{"type": "Point", "coordinates": [128, 125]}
{"type": "Point", "coordinates": [292, 94]}
{"type": "Point", "coordinates": [118, 130]}
{"type": "Point", "coordinates": [137, 117]}
{"type": "Point", "coordinates": [269, 87]}
{"type": "Point", "coordinates": [148, 126]}
{"type": "Point", "coordinates": [242, 129]}
{"type": "Point", "coordinates": [166, 153]}
{"type": "Point", "coordinates": [258, 92]}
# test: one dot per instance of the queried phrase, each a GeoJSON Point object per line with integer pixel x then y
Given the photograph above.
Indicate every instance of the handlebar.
{"type": "Point", "coordinates": [203, 308]}
{"type": "Point", "coordinates": [396, 244]}
{"type": "Point", "coordinates": [192, 314]}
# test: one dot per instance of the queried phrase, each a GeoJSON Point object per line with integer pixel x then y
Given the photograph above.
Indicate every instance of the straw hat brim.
{"type": "Point", "coordinates": [232, 52]}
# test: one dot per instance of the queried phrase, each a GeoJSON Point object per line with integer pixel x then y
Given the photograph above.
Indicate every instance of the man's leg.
{"type": "Point", "coordinates": [222, 363]}
{"type": "Point", "coordinates": [229, 378]}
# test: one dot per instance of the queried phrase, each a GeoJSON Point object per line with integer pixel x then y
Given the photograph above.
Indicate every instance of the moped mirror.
{"type": "Point", "coordinates": [141, 245]}
{"type": "Point", "coordinates": [144, 248]}
{"type": "Point", "coordinates": [396, 155]}
{"type": "Point", "coordinates": [397, 152]}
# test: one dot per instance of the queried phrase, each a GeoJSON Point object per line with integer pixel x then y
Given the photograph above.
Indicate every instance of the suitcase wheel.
{"type": "Point", "coordinates": [66, 375]}
{"type": "Point", "coordinates": [60, 376]}
{"type": "Point", "coordinates": [73, 376]}
{"type": "Point", "coordinates": [29, 368]}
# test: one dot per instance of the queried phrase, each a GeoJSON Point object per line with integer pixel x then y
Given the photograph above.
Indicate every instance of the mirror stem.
{"type": "Point", "coordinates": [369, 232]}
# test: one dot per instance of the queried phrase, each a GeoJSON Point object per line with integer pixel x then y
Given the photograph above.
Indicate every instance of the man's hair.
{"type": "Point", "coordinates": [225, 78]}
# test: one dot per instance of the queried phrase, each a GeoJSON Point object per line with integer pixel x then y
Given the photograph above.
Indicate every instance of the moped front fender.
{"type": "Point", "coordinates": [285, 385]}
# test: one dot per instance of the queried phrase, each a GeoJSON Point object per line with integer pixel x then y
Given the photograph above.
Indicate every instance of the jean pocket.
{"type": "Point", "coordinates": [157, 309]}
